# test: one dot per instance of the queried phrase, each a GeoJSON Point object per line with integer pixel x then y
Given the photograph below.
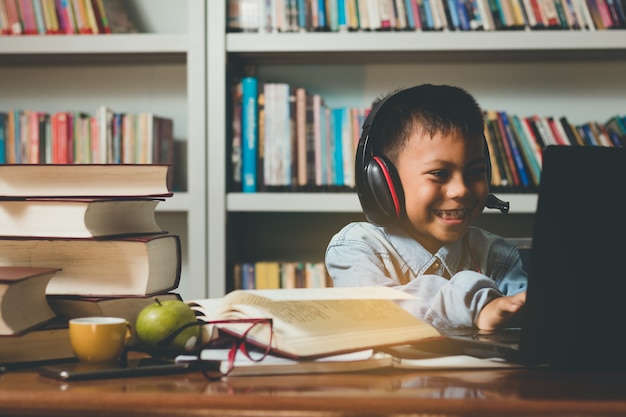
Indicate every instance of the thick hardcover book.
{"type": "Point", "coordinates": [250, 132]}
{"type": "Point", "coordinates": [309, 323]}
{"type": "Point", "coordinates": [79, 218]}
{"type": "Point", "coordinates": [71, 306]}
{"type": "Point", "coordinates": [51, 342]}
{"type": "Point", "coordinates": [84, 180]}
{"type": "Point", "coordinates": [68, 307]}
{"type": "Point", "coordinates": [23, 302]}
{"type": "Point", "coordinates": [138, 265]}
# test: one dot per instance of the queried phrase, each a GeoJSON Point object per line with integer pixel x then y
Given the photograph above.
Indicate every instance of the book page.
{"type": "Point", "coordinates": [211, 308]}
{"type": "Point", "coordinates": [328, 293]}
{"type": "Point", "coordinates": [320, 327]}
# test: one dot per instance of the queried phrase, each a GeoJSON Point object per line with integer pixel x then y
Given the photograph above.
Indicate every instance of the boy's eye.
{"type": "Point", "coordinates": [440, 174]}
{"type": "Point", "coordinates": [477, 172]}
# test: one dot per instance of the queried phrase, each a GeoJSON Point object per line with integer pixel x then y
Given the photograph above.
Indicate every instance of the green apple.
{"type": "Point", "coordinates": [157, 321]}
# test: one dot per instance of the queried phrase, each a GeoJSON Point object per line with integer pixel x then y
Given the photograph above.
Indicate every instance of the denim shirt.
{"type": "Point", "coordinates": [480, 267]}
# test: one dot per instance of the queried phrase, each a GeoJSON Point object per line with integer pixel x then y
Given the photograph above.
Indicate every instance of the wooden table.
{"type": "Point", "coordinates": [441, 393]}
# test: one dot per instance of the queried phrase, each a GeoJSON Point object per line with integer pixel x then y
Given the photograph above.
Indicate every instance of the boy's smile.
{"type": "Point", "coordinates": [444, 179]}
{"type": "Point", "coordinates": [449, 215]}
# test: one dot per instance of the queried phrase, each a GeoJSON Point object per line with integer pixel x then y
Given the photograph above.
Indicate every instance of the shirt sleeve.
{"type": "Point", "coordinates": [353, 260]}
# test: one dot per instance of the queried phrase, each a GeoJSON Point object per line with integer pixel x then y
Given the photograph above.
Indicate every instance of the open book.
{"type": "Point", "coordinates": [316, 322]}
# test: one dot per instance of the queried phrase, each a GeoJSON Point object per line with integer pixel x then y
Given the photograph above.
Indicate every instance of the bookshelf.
{"type": "Point", "coordinates": [161, 70]}
{"type": "Point", "coordinates": [565, 72]}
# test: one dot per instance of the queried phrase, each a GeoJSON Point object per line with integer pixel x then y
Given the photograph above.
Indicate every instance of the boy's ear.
{"type": "Point", "coordinates": [382, 196]}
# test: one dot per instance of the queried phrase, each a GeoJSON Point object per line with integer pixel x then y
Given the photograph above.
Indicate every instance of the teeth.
{"type": "Point", "coordinates": [452, 214]}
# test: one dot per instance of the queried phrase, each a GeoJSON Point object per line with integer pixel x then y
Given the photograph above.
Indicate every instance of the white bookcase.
{"type": "Point", "coordinates": [578, 74]}
{"type": "Point", "coordinates": [162, 70]}
{"type": "Point", "coordinates": [178, 66]}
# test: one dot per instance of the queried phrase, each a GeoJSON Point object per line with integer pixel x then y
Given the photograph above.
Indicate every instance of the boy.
{"type": "Point", "coordinates": [423, 177]}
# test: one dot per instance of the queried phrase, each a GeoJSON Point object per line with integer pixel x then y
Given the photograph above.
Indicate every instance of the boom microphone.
{"type": "Point", "coordinates": [494, 202]}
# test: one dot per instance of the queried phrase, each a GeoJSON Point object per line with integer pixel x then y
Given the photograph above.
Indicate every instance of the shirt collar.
{"type": "Point", "coordinates": [418, 258]}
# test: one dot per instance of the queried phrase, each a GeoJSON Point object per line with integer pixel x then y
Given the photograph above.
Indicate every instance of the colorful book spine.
{"type": "Point", "coordinates": [41, 23]}
{"type": "Point", "coordinates": [322, 21]}
{"type": "Point", "coordinates": [532, 152]}
{"type": "Point", "coordinates": [342, 16]}
{"type": "Point", "coordinates": [454, 14]}
{"type": "Point", "coordinates": [3, 140]}
{"type": "Point", "coordinates": [249, 127]}
{"type": "Point", "coordinates": [338, 117]}
{"type": "Point", "coordinates": [516, 154]}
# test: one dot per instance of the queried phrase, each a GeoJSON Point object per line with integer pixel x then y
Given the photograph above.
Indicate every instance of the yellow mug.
{"type": "Point", "coordinates": [99, 339]}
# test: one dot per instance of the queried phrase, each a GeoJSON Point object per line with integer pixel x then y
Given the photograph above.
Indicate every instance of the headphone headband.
{"type": "Point", "coordinates": [378, 184]}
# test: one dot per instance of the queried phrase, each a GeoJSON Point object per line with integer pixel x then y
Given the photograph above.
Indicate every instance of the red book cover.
{"type": "Point", "coordinates": [13, 15]}
{"type": "Point", "coordinates": [60, 138]}
{"type": "Point", "coordinates": [69, 22]}
{"type": "Point", "coordinates": [536, 10]}
{"type": "Point", "coordinates": [27, 13]}
{"type": "Point", "coordinates": [33, 140]}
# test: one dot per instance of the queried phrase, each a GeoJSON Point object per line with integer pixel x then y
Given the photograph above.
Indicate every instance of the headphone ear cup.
{"type": "Point", "coordinates": [385, 189]}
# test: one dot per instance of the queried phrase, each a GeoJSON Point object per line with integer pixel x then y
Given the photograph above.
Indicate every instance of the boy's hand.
{"type": "Point", "coordinates": [498, 311]}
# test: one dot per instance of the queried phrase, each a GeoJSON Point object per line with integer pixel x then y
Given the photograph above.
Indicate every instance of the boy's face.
{"type": "Point", "coordinates": [445, 186]}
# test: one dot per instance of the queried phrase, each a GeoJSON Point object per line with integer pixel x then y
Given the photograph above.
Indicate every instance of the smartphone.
{"type": "Point", "coordinates": [79, 371]}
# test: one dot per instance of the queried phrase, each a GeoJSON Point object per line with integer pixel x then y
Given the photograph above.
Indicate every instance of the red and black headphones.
{"type": "Point", "coordinates": [378, 184]}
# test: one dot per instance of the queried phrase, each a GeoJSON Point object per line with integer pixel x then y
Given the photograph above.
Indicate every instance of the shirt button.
{"type": "Point", "coordinates": [436, 265]}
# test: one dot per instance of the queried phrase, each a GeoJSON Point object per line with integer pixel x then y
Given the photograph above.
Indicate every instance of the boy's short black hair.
{"type": "Point", "coordinates": [430, 108]}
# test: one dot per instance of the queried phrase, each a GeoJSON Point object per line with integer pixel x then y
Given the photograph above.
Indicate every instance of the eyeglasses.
{"type": "Point", "coordinates": [252, 337]}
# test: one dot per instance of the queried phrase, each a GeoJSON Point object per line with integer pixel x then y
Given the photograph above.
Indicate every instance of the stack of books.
{"type": "Point", "coordinates": [94, 227]}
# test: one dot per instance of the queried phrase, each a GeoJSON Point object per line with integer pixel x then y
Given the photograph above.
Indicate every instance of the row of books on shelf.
{"type": "Point", "coordinates": [84, 242]}
{"type": "Point", "coordinates": [423, 15]}
{"type": "Point", "coordinates": [279, 274]}
{"type": "Point", "coordinates": [285, 138]}
{"type": "Point", "coordinates": [107, 137]}
{"type": "Point", "coordinates": [50, 17]}
{"type": "Point", "coordinates": [516, 144]}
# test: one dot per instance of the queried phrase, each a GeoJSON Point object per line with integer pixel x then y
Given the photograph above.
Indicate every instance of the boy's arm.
{"type": "Point", "coordinates": [441, 302]}
{"type": "Point", "coordinates": [358, 257]}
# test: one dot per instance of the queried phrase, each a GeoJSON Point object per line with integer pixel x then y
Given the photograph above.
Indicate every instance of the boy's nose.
{"type": "Point", "coordinates": [457, 187]}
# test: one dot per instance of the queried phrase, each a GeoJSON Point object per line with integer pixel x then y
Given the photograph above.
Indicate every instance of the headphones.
{"type": "Point", "coordinates": [378, 184]}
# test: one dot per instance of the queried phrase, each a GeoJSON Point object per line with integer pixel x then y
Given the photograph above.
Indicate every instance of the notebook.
{"type": "Point", "coordinates": [575, 313]}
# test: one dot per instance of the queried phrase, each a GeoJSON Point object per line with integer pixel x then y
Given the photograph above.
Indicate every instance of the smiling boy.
{"type": "Point", "coordinates": [423, 178]}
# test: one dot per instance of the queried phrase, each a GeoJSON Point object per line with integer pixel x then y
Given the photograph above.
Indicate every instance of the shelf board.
{"type": "Point", "coordinates": [479, 45]}
{"type": "Point", "coordinates": [179, 202]}
{"type": "Point", "coordinates": [336, 202]}
{"type": "Point", "coordinates": [32, 49]}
